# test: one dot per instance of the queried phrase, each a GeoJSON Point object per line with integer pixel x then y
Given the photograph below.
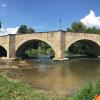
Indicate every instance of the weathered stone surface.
{"type": "Point", "coordinates": [59, 41]}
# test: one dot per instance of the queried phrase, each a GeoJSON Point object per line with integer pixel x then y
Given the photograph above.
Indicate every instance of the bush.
{"type": "Point", "coordinates": [87, 93]}
{"type": "Point", "coordinates": [97, 87]}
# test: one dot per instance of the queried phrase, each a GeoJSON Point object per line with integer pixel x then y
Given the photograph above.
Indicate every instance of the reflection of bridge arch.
{"type": "Point", "coordinates": [20, 52]}
{"type": "Point", "coordinates": [94, 46]}
{"type": "Point", "coordinates": [3, 52]}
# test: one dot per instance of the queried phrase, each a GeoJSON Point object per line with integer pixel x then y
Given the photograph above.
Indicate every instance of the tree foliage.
{"type": "Point", "coordinates": [93, 30]}
{"type": "Point", "coordinates": [79, 27]}
{"type": "Point", "coordinates": [31, 30]}
{"type": "Point", "coordinates": [23, 29]}
{"type": "Point", "coordinates": [0, 24]}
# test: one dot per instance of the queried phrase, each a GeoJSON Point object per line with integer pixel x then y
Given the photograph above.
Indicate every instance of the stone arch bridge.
{"type": "Point", "coordinates": [58, 40]}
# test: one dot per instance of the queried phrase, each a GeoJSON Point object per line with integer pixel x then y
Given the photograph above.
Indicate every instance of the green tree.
{"type": "Point", "coordinates": [93, 30]}
{"type": "Point", "coordinates": [69, 30]}
{"type": "Point", "coordinates": [78, 27]}
{"type": "Point", "coordinates": [31, 30]}
{"type": "Point", "coordinates": [22, 29]}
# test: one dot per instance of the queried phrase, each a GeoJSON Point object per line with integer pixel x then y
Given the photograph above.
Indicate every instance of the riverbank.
{"type": "Point", "coordinates": [51, 79]}
{"type": "Point", "coordinates": [15, 90]}
{"type": "Point", "coordinates": [89, 92]}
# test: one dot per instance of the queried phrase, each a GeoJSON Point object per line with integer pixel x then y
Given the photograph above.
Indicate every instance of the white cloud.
{"type": "Point", "coordinates": [91, 20]}
{"type": "Point", "coordinates": [8, 31]}
{"type": "Point", "coordinates": [4, 5]}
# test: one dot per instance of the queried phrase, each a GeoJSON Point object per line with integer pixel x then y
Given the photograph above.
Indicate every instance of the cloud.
{"type": "Point", "coordinates": [8, 31]}
{"type": "Point", "coordinates": [4, 5]}
{"type": "Point", "coordinates": [91, 20]}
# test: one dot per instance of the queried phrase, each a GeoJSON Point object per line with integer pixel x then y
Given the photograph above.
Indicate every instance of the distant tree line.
{"type": "Point", "coordinates": [79, 27]}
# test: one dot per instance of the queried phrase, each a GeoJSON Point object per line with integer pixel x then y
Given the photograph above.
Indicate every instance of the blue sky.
{"type": "Point", "coordinates": [44, 15]}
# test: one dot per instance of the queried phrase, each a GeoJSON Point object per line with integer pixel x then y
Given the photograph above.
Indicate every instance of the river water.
{"type": "Point", "coordinates": [63, 77]}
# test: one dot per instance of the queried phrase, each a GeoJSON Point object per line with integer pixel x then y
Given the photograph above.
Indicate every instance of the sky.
{"type": "Point", "coordinates": [45, 15]}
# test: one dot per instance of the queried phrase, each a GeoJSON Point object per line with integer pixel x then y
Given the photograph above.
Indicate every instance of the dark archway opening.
{"type": "Point", "coordinates": [35, 49]}
{"type": "Point", "coordinates": [84, 48]}
{"type": "Point", "coordinates": [3, 52]}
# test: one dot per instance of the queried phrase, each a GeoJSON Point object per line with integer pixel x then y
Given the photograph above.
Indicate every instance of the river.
{"type": "Point", "coordinates": [63, 77]}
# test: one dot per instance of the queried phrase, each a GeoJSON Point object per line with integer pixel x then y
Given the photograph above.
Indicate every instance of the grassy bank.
{"type": "Point", "coordinates": [14, 90]}
{"type": "Point", "coordinates": [88, 92]}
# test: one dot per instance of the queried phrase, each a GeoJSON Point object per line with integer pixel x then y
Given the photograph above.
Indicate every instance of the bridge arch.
{"type": "Point", "coordinates": [3, 51]}
{"type": "Point", "coordinates": [20, 51]}
{"type": "Point", "coordinates": [93, 45]}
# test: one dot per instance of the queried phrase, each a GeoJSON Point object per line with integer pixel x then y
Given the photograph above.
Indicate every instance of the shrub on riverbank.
{"type": "Point", "coordinates": [88, 92]}
{"type": "Point", "coordinates": [14, 90]}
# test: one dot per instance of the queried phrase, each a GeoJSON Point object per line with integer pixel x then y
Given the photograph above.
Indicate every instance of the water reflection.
{"type": "Point", "coordinates": [62, 76]}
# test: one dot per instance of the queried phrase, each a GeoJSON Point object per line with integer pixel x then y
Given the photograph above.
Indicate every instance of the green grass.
{"type": "Point", "coordinates": [14, 90]}
{"type": "Point", "coordinates": [88, 92]}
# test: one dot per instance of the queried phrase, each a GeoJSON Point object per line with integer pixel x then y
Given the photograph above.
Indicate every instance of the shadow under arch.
{"type": "Point", "coordinates": [3, 52]}
{"type": "Point", "coordinates": [34, 43]}
{"type": "Point", "coordinates": [85, 46]}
